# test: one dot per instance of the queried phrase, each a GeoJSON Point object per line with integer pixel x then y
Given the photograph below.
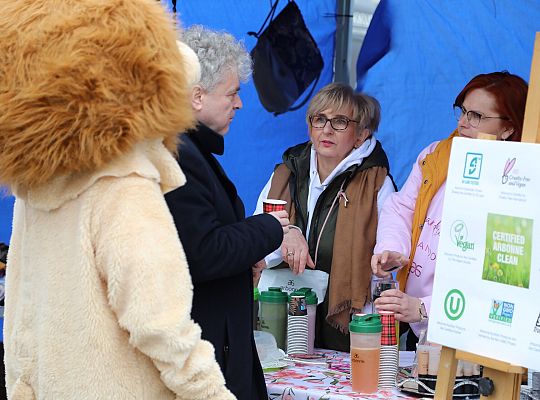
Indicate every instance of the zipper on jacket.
{"type": "Point", "coordinates": [293, 187]}
{"type": "Point", "coordinates": [313, 233]}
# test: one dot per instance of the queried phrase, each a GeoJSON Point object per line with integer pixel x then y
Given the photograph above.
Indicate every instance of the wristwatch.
{"type": "Point", "coordinates": [422, 311]}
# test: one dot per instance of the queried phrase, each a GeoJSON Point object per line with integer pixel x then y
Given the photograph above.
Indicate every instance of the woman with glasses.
{"type": "Point", "coordinates": [490, 105]}
{"type": "Point", "coordinates": [334, 186]}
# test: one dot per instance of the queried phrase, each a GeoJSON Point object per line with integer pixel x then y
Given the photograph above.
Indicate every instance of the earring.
{"type": "Point", "coordinates": [511, 133]}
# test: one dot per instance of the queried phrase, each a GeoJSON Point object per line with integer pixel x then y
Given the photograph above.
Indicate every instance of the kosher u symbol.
{"type": "Point", "coordinates": [454, 304]}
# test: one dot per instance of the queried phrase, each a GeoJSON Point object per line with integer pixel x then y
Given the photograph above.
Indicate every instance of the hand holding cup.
{"type": "Point", "coordinates": [378, 286]}
{"type": "Point", "coordinates": [283, 218]}
{"type": "Point", "coordinates": [276, 208]}
{"type": "Point", "coordinates": [404, 307]}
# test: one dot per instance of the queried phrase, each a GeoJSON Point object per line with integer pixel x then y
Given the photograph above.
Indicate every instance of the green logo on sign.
{"type": "Point", "coordinates": [454, 304]}
{"type": "Point", "coordinates": [458, 234]}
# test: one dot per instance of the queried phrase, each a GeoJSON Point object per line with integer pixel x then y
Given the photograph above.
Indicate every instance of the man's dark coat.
{"type": "Point", "coordinates": [221, 246]}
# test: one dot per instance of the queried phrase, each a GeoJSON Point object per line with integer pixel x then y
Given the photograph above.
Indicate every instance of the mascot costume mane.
{"type": "Point", "coordinates": [93, 94]}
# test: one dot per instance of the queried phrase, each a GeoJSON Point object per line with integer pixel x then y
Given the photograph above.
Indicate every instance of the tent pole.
{"type": "Point", "coordinates": [343, 33]}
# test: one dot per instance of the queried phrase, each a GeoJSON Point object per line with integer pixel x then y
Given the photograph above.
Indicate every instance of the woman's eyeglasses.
{"type": "Point", "coordinates": [337, 123]}
{"type": "Point", "coordinates": [473, 117]}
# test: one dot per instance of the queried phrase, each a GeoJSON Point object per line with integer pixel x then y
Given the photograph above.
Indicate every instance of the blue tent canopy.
{"type": "Point", "coordinates": [6, 216]}
{"type": "Point", "coordinates": [257, 139]}
{"type": "Point", "coordinates": [418, 55]}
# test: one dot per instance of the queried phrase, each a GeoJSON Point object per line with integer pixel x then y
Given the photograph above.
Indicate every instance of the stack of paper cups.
{"type": "Point", "coordinates": [297, 326]}
{"type": "Point", "coordinates": [389, 351]}
{"type": "Point", "coordinates": [535, 384]}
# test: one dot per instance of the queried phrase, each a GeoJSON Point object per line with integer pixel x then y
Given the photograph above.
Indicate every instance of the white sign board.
{"type": "Point", "coordinates": [486, 293]}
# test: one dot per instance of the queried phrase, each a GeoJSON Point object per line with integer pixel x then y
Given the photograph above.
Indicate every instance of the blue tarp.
{"type": "Point", "coordinates": [418, 55]}
{"type": "Point", "coordinates": [6, 216]}
{"type": "Point", "coordinates": [257, 139]}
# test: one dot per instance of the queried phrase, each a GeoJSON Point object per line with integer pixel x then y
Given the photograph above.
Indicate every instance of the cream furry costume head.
{"type": "Point", "coordinates": [82, 81]}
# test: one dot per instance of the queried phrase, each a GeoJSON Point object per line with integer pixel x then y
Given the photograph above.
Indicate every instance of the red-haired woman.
{"type": "Point", "coordinates": [409, 224]}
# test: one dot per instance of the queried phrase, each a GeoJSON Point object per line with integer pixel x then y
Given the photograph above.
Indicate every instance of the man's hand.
{"type": "Point", "coordinates": [257, 271]}
{"type": "Point", "coordinates": [283, 218]}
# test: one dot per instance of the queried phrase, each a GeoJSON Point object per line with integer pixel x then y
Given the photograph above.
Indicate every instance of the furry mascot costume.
{"type": "Point", "coordinates": [92, 95]}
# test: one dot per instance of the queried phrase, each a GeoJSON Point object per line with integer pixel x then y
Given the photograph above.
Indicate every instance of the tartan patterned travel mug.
{"type": "Point", "coordinates": [270, 205]}
{"type": "Point", "coordinates": [389, 334]}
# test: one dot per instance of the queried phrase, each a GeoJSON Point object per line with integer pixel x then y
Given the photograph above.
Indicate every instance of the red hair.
{"type": "Point", "coordinates": [510, 92]}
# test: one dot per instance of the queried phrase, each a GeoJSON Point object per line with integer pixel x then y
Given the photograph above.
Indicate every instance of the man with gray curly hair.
{"type": "Point", "coordinates": [222, 247]}
{"type": "Point", "coordinates": [225, 63]}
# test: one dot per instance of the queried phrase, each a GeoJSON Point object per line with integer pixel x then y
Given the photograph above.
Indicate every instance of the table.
{"type": "Point", "coordinates": [316, 382]}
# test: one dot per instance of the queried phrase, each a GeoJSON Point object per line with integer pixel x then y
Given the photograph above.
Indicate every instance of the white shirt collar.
{"type": "Point", "coordinates": [316, 187]}
{"type": "Point", "coordinates": [355, 157]}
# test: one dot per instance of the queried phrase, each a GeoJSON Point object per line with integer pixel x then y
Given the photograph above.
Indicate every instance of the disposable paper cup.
{"type": "Point", "coordinates": [270, 205]}
{"type": "Point", "coordinates": [389, 334]}
{"type": "Point", "coordinates": [388, 366]}
{"type": "Point", "coordinates": [297, 334]}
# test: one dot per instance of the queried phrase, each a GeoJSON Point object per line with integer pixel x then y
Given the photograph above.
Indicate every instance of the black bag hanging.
{"type": "Point", "coordinates": [286, 60]}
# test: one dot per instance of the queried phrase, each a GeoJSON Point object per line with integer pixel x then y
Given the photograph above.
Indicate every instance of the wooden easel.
{"type": "Point", "coordinates": [506, 377]}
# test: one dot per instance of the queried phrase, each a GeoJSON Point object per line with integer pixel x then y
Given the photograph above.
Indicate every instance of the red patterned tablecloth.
{"type": "Point", "coordinates": [316, 382]}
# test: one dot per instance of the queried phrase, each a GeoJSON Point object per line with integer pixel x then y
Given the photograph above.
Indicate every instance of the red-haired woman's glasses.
{"type": "Point", "coordinates": [473, 117]}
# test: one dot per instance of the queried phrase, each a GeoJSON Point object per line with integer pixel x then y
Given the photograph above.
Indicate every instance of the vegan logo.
{"type": "Point", "coordinates": [459, 234]}
{"type": "Point", "coordinates": [454, 304]}
{"type": "Point", "coordinates": [501, 311]}
{"type": "Point", "coordinates": [473, 166]}
{"type": "Point", "coordinates": [516, 180]}
{"type": "Point", "coordinates": [537, 326]}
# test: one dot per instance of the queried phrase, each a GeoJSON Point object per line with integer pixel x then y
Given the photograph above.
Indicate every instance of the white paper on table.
{"type": "Point", "coordinates": [285, 279]}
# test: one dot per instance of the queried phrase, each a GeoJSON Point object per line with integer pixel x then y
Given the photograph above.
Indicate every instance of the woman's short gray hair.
{"type": "Point", "coordinates": [337, 96]}
{"type": "Point", "coordinates": [219, 53]}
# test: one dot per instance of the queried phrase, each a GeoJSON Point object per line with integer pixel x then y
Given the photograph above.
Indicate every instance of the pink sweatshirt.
{"type": "Point", "coordinates": [395, 229]}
